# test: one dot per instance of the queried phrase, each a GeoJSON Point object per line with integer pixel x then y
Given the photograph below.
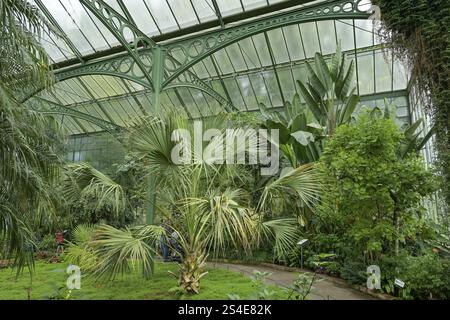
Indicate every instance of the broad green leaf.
{"type": "Point", "coordinates": [349, 108]}
{"type": "Point", "coordinates": [409, 132]}
{"type": "Point", "coordinates": [335, 63]}
{"type": "Point", "coordinates": [311, 104]}
{"type": "Point", "coordinates": [303, 137]}
{"type": "Point", "coordinates": [323, 71]}
{"type": "Point", "coordinates": [315, 81]}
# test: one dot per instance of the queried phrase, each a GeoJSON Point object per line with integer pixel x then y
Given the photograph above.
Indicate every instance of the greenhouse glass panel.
{"type": "Point", "coordinates": [69, 25]}
{"type": "Point", "coordinates": [364, 33]}
{"type": "Point", "coordinates": [310, 38]}
{"type": "Point", "coordinates": [235, 94]}
{"type": "Point", "coordinates": [278, 45]}
{"type": "Point", "coordinates": [260, 88]}
{"type": "Point", "coordinates": [223, 62]}
{"type": "Point", "coordinates": [327, 36]}
{"type": "Point", "coordinates": [294, 43]}
{"type": "Point", "coordinates": [247, 92]}
{"type": "Point", "coordinates": [262, 50]}
{"type": "Point", "coordinates": [344, 31]}
{"type": "Point", "coordinates": [287, 82]}
{"type": "Point", "coordinates": [113, 4]}
{"type": "Point", "coordinates": [249, 53]}
{"type": "Point", "coordinates": [98, 40]}
{"type": "Point", "coordinates": [217, 86]}
{"type": "Point", "coordinates": [366, 73]}
{"type": "Point", "coordinates": [236, 58]}
{"type": "Point", "coordinates": [184, 12]}
{"type": "Point", "coordinates": [161, 12]}
{"type": "Point", "coordinates": [253, 4]}
{"type": "Point", "coordinates": [400, 79]}
{"type": "Point", "coordinates": [383, 72]}
{"type": "Point", "coordinates": [204, 10]}
{"type": "Point", "coordinates": [272, 85]}
{"type": "Point", "coordinates": [229, 7]}
{"type": "Point", "coordinates": [189, 102]}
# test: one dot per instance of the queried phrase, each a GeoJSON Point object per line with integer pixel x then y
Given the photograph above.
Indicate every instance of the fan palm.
{"type": "Point", "coordinates": [83, 183]}
{"type": "Point", "coordinates": [209, 209]}
{"type": "Point", "coordinates": [28, 141]}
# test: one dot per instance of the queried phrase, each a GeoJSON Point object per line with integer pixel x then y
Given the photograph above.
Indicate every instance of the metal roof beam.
{"type": "Point", "coordinates": [56, 108]}
{"type": "Point", "coordinates": [121, 28]}
{"type": "Point", "coordinates": [214, 41]}
{"type": "Point", "coordinates": [218, 13]}
{"type": "Point", "coordinates": [195, 29]}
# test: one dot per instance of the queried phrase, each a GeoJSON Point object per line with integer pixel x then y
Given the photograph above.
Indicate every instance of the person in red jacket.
{"type": "Point", "coordinates": [59, 237]}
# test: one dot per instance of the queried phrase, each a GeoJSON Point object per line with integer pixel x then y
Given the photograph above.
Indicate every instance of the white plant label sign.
{"type": "Point", "coordinates": [399, 283]}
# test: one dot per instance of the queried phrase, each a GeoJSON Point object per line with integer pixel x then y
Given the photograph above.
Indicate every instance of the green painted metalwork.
{"type": "Point", "coordinates": [122, 66]}
{"type": "Point", "coordinates": [128, 65]}
{"type": "Point", "coordinates": [49, 107]}
{"type": "Point", "coordinates": [151, 198]}
{"type": "Point", "coordinates": [139, 64]}
{"type": "Point", "coordinates": [158, 58]}
{"type": "Point", "coordinates": [196, 48]}
{"type": "Point", "coordinates": [123, 29]}
{"type": "Point", "coordinates": [190, 80]}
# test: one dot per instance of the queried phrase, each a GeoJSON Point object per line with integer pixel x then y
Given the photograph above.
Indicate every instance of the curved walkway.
{"type": "Point", "coordinates": [327, 288]}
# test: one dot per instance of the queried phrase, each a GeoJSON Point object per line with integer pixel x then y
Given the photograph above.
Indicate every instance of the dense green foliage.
{"type": "Point", "coordinates": [29, 142]}
{"type": "Point", "coordinates": [330, 101]}
{"type": "Point", "coordinates": [419, 31]}
{"type": "Point", "coordinates": [373, 194]}
{"type": "Point", "coordinates": [372, 211]}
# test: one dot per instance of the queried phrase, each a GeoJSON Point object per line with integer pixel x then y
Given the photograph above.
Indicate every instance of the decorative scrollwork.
{"type": "Point", "coordinates": [190, 80]}
{"type": "Point", "coordinates": [193, 50]}
{"type": "Point", "coordinates": [123, 30]}
{"type": "Point", "coordinates": [123, 67]}
{"type": "Point", "coordinates": [49, 107]}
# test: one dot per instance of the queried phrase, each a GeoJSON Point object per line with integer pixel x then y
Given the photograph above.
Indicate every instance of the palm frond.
{"type": "Point", "coordinates": [119, 251]}
{"type": "Point", "coordinates": [283, 233]}
{"type": "Point", "coordinates": [303, 183]}
{"type": "Point", "coordinates": [84, 181]}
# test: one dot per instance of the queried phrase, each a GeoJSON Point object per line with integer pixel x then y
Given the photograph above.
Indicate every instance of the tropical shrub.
{"type": "Point", "coordinates": [425, 275]}
{"type": "Point", "coordinates": [93, 197]}
{"type": "Point", "coordinates": [373, 209]}
{"type": "Point", "coordinates": [374, 196]}
{"type": "Point", "coordinates": [418, 33]}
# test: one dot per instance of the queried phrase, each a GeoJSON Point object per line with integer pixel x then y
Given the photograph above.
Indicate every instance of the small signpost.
{"type": "Point", "coordinates": [399, 283]}
{"type": "Point", "coordinates": [301, 243]}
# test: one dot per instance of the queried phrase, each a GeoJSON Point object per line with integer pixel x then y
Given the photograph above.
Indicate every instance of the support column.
{"type": "Point", "coordinates": [157, 76]}
{"type": "Point", "coordinates": [151, 199]}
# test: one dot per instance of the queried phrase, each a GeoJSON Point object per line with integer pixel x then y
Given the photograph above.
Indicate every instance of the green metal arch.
{"type": "Point", "coordinates": [229, 107]}
{"type": "Point", "coordinates": [323, 11]}
{"type": "Point", "coordinates": [119, 27]}
{"type": "Point", "coordinates": [60, 77]}
{"type": "Point", "coordinates": [58, 109]}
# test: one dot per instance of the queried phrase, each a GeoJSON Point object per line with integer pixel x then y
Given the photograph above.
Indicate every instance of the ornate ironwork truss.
{"type": "Point", "coordinates": [155, 67]}
{"type": "Point", "coordinates": [49, 107]}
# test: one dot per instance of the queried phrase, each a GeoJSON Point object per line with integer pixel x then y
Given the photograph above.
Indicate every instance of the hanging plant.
{"type": "Point", "coordinates": [419, 33]}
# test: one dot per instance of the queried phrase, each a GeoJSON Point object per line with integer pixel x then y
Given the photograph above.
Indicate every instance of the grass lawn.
{"type": "Point", "coordinates": [47, 278]}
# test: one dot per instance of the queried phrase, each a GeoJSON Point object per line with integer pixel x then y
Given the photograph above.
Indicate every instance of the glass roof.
{"type": "Point", "coordinates": [259, 69]}
{"type": "Point", "coordinates": [87, 35]}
